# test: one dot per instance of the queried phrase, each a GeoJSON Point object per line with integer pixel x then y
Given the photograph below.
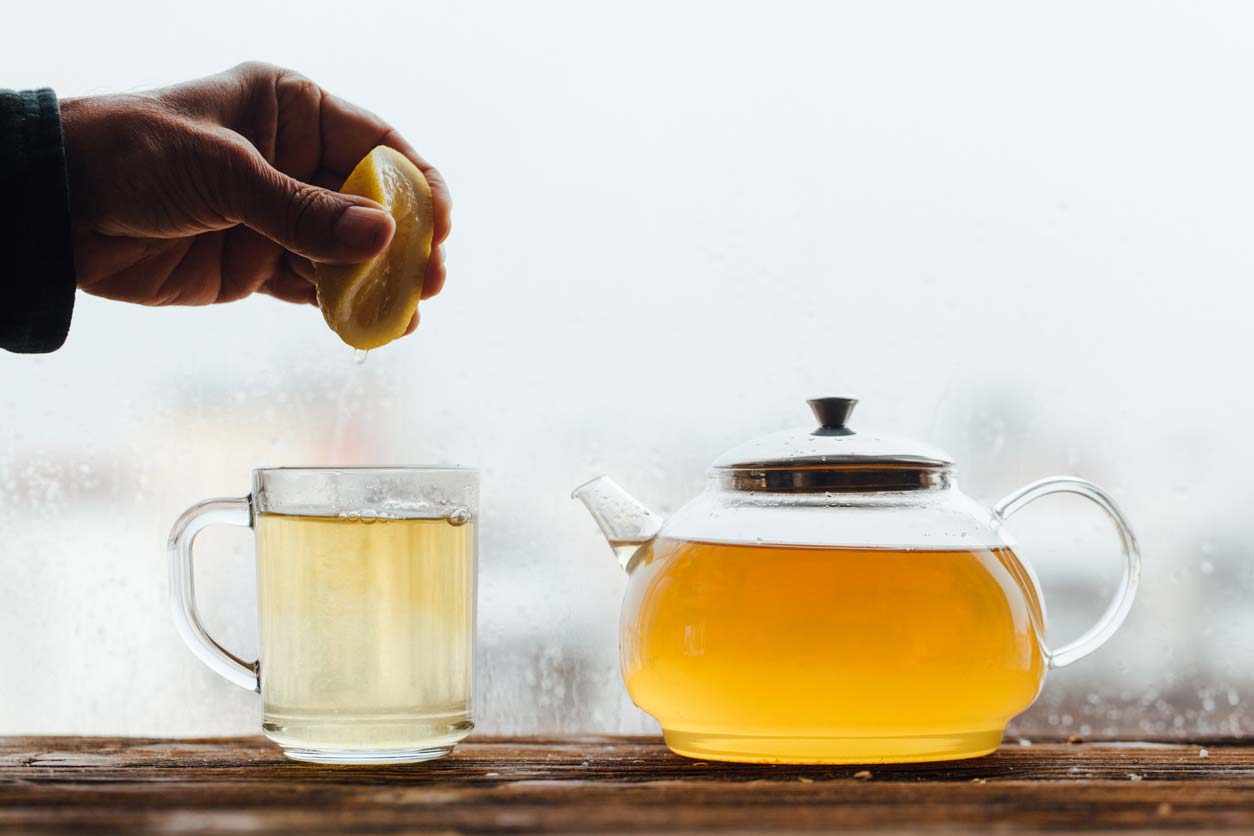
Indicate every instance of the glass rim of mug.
{"type": "Point", "coordinates": [390, 492]}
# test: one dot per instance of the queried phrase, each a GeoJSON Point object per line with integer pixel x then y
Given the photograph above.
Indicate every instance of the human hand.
{"type": "Point", "coordinates": [215, 189]}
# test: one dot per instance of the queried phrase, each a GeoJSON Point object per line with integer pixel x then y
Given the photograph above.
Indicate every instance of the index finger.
{"type": "Point", "coordinates": [350, 132]}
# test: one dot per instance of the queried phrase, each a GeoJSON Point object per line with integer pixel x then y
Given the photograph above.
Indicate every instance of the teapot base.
{"type": "Point", "coordinates": [744, 748]}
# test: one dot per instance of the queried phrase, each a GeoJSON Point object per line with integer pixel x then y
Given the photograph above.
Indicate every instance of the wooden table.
{"type": "Point", "coordinates": [614, 784]}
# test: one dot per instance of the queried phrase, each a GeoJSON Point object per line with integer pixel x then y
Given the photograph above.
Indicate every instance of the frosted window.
{"type": "Point", "coordinates": [1024, 236]}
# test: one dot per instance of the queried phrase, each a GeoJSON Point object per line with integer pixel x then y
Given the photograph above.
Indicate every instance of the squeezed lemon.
{"type": "Point", "coordinates": [370, 304]}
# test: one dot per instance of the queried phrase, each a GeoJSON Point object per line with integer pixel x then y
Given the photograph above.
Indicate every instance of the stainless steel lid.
{"type": "Point", "coordinates": [832, 456]}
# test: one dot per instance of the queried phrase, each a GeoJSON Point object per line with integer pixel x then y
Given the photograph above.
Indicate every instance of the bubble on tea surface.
{"type": "Point", "coordinates": [459, 516]}
{"type": "Point", "coordinates": [364, 516]}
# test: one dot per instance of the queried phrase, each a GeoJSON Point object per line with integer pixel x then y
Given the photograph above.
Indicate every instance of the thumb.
{"type": "Point", "coordinates": [319, 224]}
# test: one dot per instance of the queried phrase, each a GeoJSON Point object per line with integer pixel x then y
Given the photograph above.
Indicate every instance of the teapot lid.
{"type": "Point", "coordinates": [796, 459]}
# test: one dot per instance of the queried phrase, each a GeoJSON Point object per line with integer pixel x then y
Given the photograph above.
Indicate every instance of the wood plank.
{"type": "Point", "coordinates": [612, 784]}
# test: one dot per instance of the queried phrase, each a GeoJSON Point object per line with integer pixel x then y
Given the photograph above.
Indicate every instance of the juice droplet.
{"type": "Point", "coordinates": [359, 356]}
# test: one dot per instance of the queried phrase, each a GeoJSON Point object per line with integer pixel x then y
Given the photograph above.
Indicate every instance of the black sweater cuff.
{"type": "Point", "coordinates": [37, 278]}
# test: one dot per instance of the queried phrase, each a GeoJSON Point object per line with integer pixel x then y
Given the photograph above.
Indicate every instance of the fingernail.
{"type": "Point", "coordinates": [363, 228]}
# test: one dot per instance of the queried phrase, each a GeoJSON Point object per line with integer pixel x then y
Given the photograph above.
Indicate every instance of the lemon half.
{"type": "Point", "coordinates": [370, 304]}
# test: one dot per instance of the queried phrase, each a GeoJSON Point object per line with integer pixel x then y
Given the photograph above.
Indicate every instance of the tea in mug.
{"type": "Point", "coordinates": [831, 654]}
{"type": "Point", "coordinates": [367, 629]}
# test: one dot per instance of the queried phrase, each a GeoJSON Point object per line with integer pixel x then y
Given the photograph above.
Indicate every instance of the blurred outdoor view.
{"type": "Point", "coordinates": [1022, 234]}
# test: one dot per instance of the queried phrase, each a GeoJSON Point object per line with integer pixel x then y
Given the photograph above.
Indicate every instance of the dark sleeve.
{"type": "Point", "coordinates": [36, 254]}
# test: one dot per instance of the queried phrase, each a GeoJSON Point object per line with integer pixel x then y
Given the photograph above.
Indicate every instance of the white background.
{"type": "Point", "coordinates": [1021, 232]}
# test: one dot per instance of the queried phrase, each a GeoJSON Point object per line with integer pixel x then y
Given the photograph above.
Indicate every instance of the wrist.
{"type": "Point", "coordinates": [75, 121]}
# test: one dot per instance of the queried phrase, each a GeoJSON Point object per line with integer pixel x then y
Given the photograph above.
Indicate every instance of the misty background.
{"type": "Point", "coordinates": [1024, 234]}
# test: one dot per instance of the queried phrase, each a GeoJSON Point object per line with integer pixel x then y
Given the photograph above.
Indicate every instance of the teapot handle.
{"type": "Point", "coordinates": [1121, 603]}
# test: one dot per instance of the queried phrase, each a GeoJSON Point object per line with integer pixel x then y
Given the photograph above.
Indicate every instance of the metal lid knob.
{"type": "Point", "coordinates": [832, 414]}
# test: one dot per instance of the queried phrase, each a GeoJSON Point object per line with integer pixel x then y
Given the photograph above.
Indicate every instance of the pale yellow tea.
{"type": "Point", "coordinates": [367, 627]}
{"type": "Point", "coordinates": [762, 653]}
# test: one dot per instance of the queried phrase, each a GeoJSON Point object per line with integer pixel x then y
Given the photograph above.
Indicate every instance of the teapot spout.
{"type": "Point", "coordinates": [626, 524]}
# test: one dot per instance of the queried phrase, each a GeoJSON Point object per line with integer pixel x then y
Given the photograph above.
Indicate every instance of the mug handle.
{"type": "Point", "coordinates": [233, 511]}
{"type": "Point", "coordinates": [1121, 603]}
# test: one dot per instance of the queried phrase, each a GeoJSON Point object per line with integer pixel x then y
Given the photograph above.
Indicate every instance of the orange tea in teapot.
{"type": "Point", "coordinates": [830, 654]}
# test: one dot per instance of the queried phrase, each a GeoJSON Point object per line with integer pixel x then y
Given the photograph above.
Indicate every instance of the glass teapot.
{"type": "Point", "coordinates": [833, 597]}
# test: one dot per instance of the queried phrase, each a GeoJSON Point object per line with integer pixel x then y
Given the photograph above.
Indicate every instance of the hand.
{"type": "Point", "coordinates": [212, 190]}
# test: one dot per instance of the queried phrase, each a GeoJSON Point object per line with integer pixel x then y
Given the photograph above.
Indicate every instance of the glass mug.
{"type": "Point", "coordinates": [366, 608]}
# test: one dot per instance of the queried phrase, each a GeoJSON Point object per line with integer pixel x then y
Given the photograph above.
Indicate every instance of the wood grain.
{"type": "Point", "coordinates": [613, 784]}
